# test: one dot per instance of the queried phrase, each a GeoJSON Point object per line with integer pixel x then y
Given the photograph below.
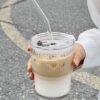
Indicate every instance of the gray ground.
{"type": "Point", "coordinates": [65, 16]}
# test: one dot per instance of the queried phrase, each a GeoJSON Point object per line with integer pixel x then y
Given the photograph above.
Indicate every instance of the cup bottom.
{"type": "Point", "coordinates": [52, 87]}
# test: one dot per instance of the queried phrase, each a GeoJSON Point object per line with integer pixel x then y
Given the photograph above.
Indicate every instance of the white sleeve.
{"type": "Point", "coordinates": [94, 9]}
{"type": "Point", "coordinates": [90, 40]}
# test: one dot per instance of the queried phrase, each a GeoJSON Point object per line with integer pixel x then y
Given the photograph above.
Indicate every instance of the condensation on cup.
{"type": "Point", "coordinates": [52, 63]}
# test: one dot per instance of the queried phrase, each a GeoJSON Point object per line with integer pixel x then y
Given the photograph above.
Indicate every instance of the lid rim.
{"type": "Point", "coordinates": [54, 49]}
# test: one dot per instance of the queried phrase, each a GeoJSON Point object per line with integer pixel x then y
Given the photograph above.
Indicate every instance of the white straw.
{"type": "Point", "coordinates": [44, 16]}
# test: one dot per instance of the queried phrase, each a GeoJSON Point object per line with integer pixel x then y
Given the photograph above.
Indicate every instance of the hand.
{"type": "Point", "coordinates": [79, 56]}
{"type": "Point", "coordinates": [31, 76]}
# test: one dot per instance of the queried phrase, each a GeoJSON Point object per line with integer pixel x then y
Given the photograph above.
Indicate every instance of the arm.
{"type": "Point", "coordinates": [94, 9]}
{"type": "Point", "coordinates": [90, 40]}
{"type": "Point", "coordinates": [97, 5]}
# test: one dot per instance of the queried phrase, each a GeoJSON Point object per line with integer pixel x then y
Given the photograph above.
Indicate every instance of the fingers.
{"type": "Point", "coordinates": [29, 48]}
{"type": "Point", "coordinates": [76, 60]}
{"type": "Point", "coordinates": [79, 55]}
{"type": "Point", "coordinates": [29, 68]}
{"type": "Point", "coordinates": [31, 76]}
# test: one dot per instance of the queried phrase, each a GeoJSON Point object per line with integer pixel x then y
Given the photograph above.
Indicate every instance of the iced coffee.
{"type": "Point", "coordinates": [52, 63]}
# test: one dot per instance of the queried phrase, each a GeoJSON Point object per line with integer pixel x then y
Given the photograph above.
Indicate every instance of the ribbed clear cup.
{"type": "Point", "coordinates": [52, 63]}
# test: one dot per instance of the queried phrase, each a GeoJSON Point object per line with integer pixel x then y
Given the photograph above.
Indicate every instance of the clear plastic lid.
{"type": "Point", "coordinates": [61, 43]}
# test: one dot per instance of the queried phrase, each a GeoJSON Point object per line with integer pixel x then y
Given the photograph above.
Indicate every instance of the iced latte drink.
{"type": "Point", "coordinates": [52, 63]}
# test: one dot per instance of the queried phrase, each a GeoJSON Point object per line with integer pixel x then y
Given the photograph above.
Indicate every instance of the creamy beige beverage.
{"type": "Point", "coordinates": [52, 66]}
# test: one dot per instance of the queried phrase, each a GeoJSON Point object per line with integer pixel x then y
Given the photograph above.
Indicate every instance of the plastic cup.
{"type": "Point", "coordinates": [52, 63]}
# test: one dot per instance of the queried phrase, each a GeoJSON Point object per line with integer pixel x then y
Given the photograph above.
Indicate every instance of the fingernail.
{"type": "Point", "coordinates": [31, 76]}
{"type": "Point", "coordinates": [28, 49]}
{"type": "Point", "coordinates": [76, 61]}
{"type": "Point", "coordinates": [29, 68]}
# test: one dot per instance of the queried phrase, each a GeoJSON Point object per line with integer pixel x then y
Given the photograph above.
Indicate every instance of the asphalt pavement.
{"type": "Point", "coordinates": [68, 16]}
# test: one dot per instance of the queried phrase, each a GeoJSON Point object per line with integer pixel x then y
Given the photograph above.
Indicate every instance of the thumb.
{"type": "Point", "coordinates": [77, 61]}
